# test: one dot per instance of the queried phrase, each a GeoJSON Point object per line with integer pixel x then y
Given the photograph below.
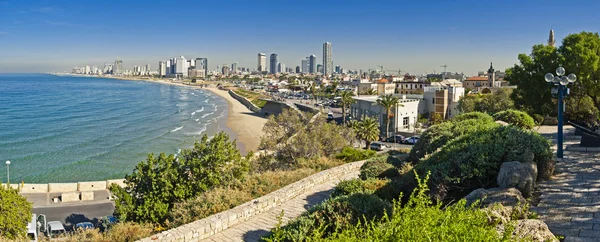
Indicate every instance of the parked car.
{"type": "Point", "coordinates": [330, 116]}
{"type": "Point", "coordinates": [411, 140]}
{"type": "Point", "coordinates": [377, 146]}
{"type": "Point", "coordinates": [55, 229]}
{"type": "Point", "coordinates": [396, 138]}
{"type": "Point", "coordinates": [84, 225]}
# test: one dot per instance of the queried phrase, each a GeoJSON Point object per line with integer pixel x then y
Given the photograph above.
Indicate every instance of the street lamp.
{"type": "Point", "coordinates": [8, 172]}
{"type": "Point", "coordinates": [561, 81]}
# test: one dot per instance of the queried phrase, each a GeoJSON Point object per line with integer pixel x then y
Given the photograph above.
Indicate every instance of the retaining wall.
{"type": "Point", "coordinates": [208, 226]}
{"type": "Point", "coordinates": [307, 108]}
{"type": "Point", "coordinates": [67, 187]}
{"type": "Point", "coordinates": [244, 101]}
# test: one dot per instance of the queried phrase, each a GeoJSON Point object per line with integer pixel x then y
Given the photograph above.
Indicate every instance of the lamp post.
{"type": "Point", "coordinates": [7, 172]}
{"type": "Point", "coordinates": [561, 81]}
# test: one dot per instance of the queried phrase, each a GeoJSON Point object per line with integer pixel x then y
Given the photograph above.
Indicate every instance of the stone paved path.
{"type": "Point", "coordinates": [260, 225]}
{"type": "Point", "coordinates": [570, 203]}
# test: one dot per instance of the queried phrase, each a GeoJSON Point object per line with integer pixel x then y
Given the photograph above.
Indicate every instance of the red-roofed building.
{"type": "Point", "coordinates": [476, 82]}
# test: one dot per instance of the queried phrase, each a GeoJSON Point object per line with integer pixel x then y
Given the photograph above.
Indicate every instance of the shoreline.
{"type": "Point", "coordinates": [246, 127]}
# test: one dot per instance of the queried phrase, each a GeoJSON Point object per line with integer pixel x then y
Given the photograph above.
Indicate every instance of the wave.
{"type": "Point", "coordinates": [206, 115]}
{"type": "Point", "coordinates": [176, 129]}
{"type": "Point", "coordinates": [198, 111]}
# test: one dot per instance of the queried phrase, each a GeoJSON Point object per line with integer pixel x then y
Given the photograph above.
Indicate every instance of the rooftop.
{"type": "Point", "coordinates": [477, 78]}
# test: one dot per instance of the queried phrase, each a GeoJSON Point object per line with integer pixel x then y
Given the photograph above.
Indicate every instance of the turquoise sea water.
{"type": "Point", "coordinates": [65, 129]}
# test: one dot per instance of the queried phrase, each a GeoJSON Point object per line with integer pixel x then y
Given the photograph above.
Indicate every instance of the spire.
{"type": "Point", "coordinates": [551, 38]}
{"type": "Point", "coordinates": [491, 70]}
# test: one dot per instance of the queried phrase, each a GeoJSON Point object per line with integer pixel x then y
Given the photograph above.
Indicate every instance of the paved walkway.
{"type": "Point", "coordinates": [570, 202]}
{"type": "Point", "coordinates": [260, 225]}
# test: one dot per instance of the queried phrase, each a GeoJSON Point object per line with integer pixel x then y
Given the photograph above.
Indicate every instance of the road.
{"type": "Point", "coordinates": [72, 214]}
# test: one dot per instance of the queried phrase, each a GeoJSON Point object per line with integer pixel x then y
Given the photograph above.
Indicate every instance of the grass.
{"type": "Point", "coordinates": [254, 97]}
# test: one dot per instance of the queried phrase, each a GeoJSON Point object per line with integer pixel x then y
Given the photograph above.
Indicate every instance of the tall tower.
{"type": "Point", "coordinates": [312, 64]}
{"type": "Point", "coordinates": [262, 62]}
{"type": "Point", "coordinates": [327, 62]}
{"type": "Point", "coordinates": [551, 38]}
{"type": "Point", "coordinates": [274, 63]}
{"type": "Point", "coordinates": [491, 76]}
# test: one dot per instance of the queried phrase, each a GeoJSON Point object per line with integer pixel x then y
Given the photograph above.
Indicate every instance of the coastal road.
{"type": "Point", "coordinates": [69, 215]}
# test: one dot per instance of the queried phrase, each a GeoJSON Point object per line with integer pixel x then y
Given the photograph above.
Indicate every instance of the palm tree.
{"type": "Point", "coordinates": [345, 101]}
{"type": "Point", "coordinates": [367, 130]}
{"type": "Point", "coordinates": [388, 102]}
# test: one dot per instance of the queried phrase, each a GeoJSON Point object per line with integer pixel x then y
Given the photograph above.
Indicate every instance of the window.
{"type": "Point", "coordinates": [433, 100]}
{"type": "Point", "coordinates": [405, 122]}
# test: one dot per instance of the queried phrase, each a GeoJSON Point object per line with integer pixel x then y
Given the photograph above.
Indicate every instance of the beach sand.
{"type": "Point", "coordinates": [246, 126]}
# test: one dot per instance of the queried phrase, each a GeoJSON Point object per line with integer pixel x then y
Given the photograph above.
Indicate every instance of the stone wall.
{"type": "Point", "coordinates": [67, 187]}
{"type": "Point", "coordinates": [307, 108]}
{"type": "Point", "coordinates": [244, 101]}
{"type": "Point", "coordinates": [205, 227]}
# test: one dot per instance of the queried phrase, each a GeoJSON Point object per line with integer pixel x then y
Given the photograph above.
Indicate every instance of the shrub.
{"type": "Point", "coordinates": [15, 213]}
{"type": "Point", "coordinates": [377, 168]}
{"type": "Point", "coordinates": [548, 120]}
{"type": "Point", "coordinates": [438, 135]}
{"type": "Point", "coordinates": [473, 160]}
{"type": "Point", "coordinates": [473, 115]}
{"type": "Point", "coordinates": [539, 119]}
{"type": "Point", "coordinates": [128, 231]}
{"type": "Point", "coordinates": [349, 187]}
{"type": "Point", "coordinates": [350, 154]}
{"type": "Point", "coordinates": [518, 118]}
{"type": "Point", "coordinates": [332, 216]}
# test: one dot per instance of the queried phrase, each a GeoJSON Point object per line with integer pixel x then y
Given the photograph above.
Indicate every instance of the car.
{"type": "Point", "coordinates": [411, 140]}
{"type": "Point", "coordinates": [395, 139]}
{"type": "Point", "coordinates": [84, 225]}
{"type": "Point", "coordinates": [330, 116]}
{"type": "Point", "coordinates": [55, 229]}
{"type": "Point", "coordinates": [377, 146]}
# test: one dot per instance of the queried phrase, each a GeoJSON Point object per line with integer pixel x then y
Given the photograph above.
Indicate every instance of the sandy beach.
{"type": "Point", "coordinates": [246, 126]}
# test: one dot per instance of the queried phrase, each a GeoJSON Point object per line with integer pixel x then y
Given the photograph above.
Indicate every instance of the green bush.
{"type": "Point", "coordinates": [349, 187]}
{"type": "Point", "coordinates": [377, 168]}
{"type": "Point", "coordinates": [438, 135]}
{"type": "Point", "coordinates": [473, 115]}
{"type": "Point", "coordinates": [333, 216]}
{"type": "Point", "coordinates": [350, 154]}
{"type": "Point", "coordinates": [539, 119]}
{"type": "Point", "coordinates": [515, 117]}
{"type": "Point", "coordinates": [473, 160]}
{"type": "Point", "coordinates": [15, 213]}
{"type": "Point", "coordinates": [418, 220]}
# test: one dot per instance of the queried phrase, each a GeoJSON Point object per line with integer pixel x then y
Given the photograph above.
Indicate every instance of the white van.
{"type": "Point", "coordinates": [32, 228]}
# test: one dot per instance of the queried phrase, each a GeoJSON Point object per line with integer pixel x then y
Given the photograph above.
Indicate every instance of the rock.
{"type": "Point", "coordinates": [518, 175]}
{"type": "Point", "coordinates": [500, 122]}
{"type": "Point", "coordinates": [500, 214]}
{"type": "Point", "coordinates": [504, 196]}
{"type": "Point", "coordinates": [530, 229]}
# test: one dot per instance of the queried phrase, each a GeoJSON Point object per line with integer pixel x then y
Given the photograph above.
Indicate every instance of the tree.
{"type": "Point", "coordinates": [487, 103]}
{"type": "Point", "coordinates": [388, 102]}
{"type": "Point", "coordinates": [15, 213]}
{"type": "Point", "coordinates": [367, 130]}
{"type": "Point", "coordinates": [345, 101]}
{"type": "Point", "coordinates": [158, 183]}
{"type": "Point", "coordinates": [436, 118]}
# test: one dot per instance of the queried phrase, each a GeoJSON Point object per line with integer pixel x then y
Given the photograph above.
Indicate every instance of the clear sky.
{"type": "Point", "coordinates": [414, 36]}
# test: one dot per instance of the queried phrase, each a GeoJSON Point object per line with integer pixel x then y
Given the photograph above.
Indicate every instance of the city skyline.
{"type": "Point", "coordinates": [41, 36]}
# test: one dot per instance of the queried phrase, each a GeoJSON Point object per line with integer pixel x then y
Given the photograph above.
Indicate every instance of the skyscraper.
{"type": "Point", "coordinates": [327, 62]}
{"type": "Point", "coordinates": [551, 38]}
{"type": "Point", "coordinates": [304, 66]}
{"type": "Point", "coordinates": [297, 69]}
{"type": "Point", "coordinates": [181, 67]}
{"type": "Point", "coordinates": [337, 69]}
{"type": "Point", "coordinates": [262, 62]}
{"type": "Point", "coordinates": [162, 68]}
{"type": "Point", "coordinates": [202, 63]}
{"type": "Point", "coordinates": [319, 68]}
{"type": "Point", "coordinates": [281, 68]}
{"type": "Point", "coordinates": [312, 64]}
{"type": "Point", "coordinates": [118, 67]}
{"type": "Point", "coordinates": [274, 62]}
{"type": "Point", "coordinates": [234, 67]}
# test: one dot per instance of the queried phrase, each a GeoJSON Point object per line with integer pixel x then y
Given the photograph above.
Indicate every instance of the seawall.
{"type": "Point", "coordinates": [205, 227]}
{"type": "Point", "coordinates": [88, 186]}
{"type": "Point", "coordinates": [244, 101]}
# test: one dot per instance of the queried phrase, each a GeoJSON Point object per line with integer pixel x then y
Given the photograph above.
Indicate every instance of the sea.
{"type": "Point", "coordinates": [70, 129]}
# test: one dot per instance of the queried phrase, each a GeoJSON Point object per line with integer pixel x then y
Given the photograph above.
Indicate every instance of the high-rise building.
{"type": "Point", "coordinates": [162, 68]}
{"type": "Point", "coordinates": [225, 69]}
{"type": "Point", "coordinates": [118, 67]}
{"type": "Point", "coordinates": [234, 67]}
{"type": "Point", "coordinates": [327, 62]}
{"type": "Point", "coordinates": [202, 63]}
{"type": "Point", "coordinates": [297, 69]}
{"type": "Point", "coordinates": [281, 68]}
{"type": "Point", "coordinates": [181, 67]}
{"type": "Point", "coordinates": [87, 70]}
{"type": "Point", "coordinates": [337, 70]}
{"type": "Point", "coordinates": [273, 64]}
{"type": "Point", "coordinates": [551, 38]}
{"type": "Point", "coordinates": [312, 64]}
{"type": "Point", "coordinates": [319, 68]}
{"type": "Point", "coordinates": [262, 62]}
{"type": "Point", "coordinates": [304, 66]}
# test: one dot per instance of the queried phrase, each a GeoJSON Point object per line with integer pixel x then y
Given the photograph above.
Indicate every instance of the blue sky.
{"type": "Point", "coordinates": [414, 36]}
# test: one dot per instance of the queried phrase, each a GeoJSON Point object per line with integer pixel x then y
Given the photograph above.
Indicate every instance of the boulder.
{"type": "Point", "coordinates": [500, 122]}
{"type": "Point", "coordinates": [504, 196]}
{"type": "Point", "coordinates": [518, 175]}
{"type": "Point", "coordinates": [530, 230]}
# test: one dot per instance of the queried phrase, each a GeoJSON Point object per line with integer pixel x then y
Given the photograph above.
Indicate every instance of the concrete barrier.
{"type": "Point", "coordinates": [119, 182]}
{"type": "Point", "coordinates": [62, 187]}
{"type": "Point", "coordinates": [32, 188]}
{"type": "Point", "coordinates": [69, 197]}
{"type": "Point", "coordinates": [87, 196]}
{"type": "Point", "coordinates": [91, 186]}
{"type": "Point", "coordinates": [201, 229]}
